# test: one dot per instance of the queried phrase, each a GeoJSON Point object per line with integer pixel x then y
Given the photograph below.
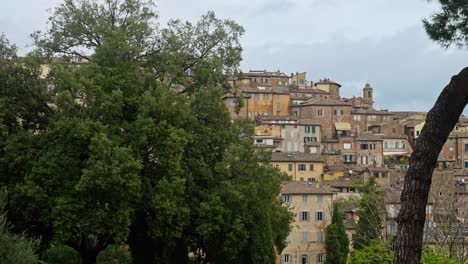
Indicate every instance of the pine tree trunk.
{"type": "Point", "coordinates": [439, 123]}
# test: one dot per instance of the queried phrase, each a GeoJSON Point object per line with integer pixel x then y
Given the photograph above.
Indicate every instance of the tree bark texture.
{"type": "Point", "coordinates": [440, 121]}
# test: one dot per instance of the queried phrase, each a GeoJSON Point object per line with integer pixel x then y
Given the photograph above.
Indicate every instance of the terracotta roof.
{"type": "Point", "coordinates": [303, 187]}
{"type": "Point", "coordinates": [279, 118]}
{"type": "Point", "coordinates": [267, 89]}
{"type": "Point", "coordinates": [346, 182]}
{"type": "Point", "coordinates": [264, 73]}
{"type": "Point", "coordinates": [371, 112]}
{"type": "Point", "coordinates": [295, 156]}
{"type": "Point", "coordinates": [294, 89]}
{"type": "Point", "coordinates": [368, 136]}
{"type": "Point", "coordinates": [413, 123]}
{"type": "Point", "coordinates": [393, 136]}
{"type": "Point", "coordinates": [323, 101]}
{"type": "Point", "coordinates": [327, 81]}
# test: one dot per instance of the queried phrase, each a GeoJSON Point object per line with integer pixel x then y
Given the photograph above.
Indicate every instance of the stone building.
{"type": "Point", "coordinates": [312, 205]}
{"type": "Point", "coordinates": [329, 86]}
{"type": "Point", "coordinates": [326, 112]}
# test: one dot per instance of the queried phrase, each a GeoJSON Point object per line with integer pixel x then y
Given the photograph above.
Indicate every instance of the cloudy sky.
{"type": "Point", "coordinates": [350, 41]}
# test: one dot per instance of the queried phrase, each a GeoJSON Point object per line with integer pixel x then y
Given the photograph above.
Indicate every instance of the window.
{"type": "Point", "coordinates": [301, 81]}
{"type": "Point", "coordinates": [466, 147]}
{"type": "Point", "coordinates": [286, 258]}
{"type": "Point", "coordinates": [278, 107]}
{"type": "Point", "coordinates": [341, 112]}
{"type": "Point", "coordinates": [313, 129]}
{"type": "Point", "coordinates": [301, 179]}
{"type": "Point", "coordinates": [357, 117]}
{"type": "Point", "coordinates": [304, 216]}
{"type": "Point", "coordinates": [348, 158]}
{"type": "Point", "coordinates": [466, 164]}
{"type": "Point", "coordinates": [302, 167]}
{"type": "Point", "coordinates": [306, 139]}
{"type": "Point", "coordinates": [347, 145]}
{"type": "Point", "coordinates": [280, 83]}
{"type": "Point", "coordinates": [320, 112]}
{"type": "Point", "coordinates": [305, 237]}
{"type": "Point", "coordinates": [287, 198]}
{"type": "Point", "coordinates": [311, 167]}
{"type": "Point", "coordinates": [371, 146]}
{"type": "Point", "coordinates": [313, 149]}
{"type": "Point", "coordinates": [311, 179]}
{"type": "Point", "coordinates": [232, 102]}
{"type": "Point", "coordinates": [371, 117]}
{"type": "Point", "coordinates": [320, 258]}
{"type": "Point", "coordinates": [266, 97]}
{"type": "Point", "coordinates": [364, 146]}
{"type": "Point", "coordinates": [335, 112]}
{"type": "Point", "coordinates": [319, 216]}
{"type": "Point", "coordinates": [304, 259]}
{"type": "Point", "coordinates": [417, 133]}
{"type": "Point", "coordinates": [320, 236]}
{"type": "Point", "coordinates": [364, 160]}
{"type": "Point", "coordinates": [319, 198]}
{"type": "Point", "coordinates": [290, 167]}
{"type": "Point", "coordinates": [256, 97]}
{"type": "Point", "coordinates": [313, 139]}
{"type": "Point", "coordinates": [307, 129]}
{"type": "Point", "coordinates": [266, 114]}
{"type": "Point", "coordinates": [304, 197]}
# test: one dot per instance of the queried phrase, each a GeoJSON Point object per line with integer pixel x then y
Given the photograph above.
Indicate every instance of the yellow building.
{"type": "Point", "coordinates": [300, 166]}
{"type": "Point", "coordinates": [267, 101]}
{"type": "Point", "coordinates": [312, 206]}
{"type": "Point", "coordinates": [333, 175]}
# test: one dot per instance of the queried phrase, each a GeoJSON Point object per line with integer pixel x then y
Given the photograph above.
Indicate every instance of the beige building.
{"type": "Point", "coordinates": [300, 166]}
{"type": "Point", "coordinates": [298, 80]}
{"type": "Point", "coordinates": [329, 86]}
{"type": "Point", "coordinates": [312, 206]}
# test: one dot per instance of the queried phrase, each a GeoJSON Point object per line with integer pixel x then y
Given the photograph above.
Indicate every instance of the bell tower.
{"type": "Point", "coordinates": [368, 95]}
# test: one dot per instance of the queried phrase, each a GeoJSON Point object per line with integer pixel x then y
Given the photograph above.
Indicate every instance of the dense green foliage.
{"type": "Point", "coordinates": [433, 256]}
{"type": "Point", "coordinates": [337, 242]}
{"type": "Point", "coordinates": [114, 254]}
{"type": "Point", "coordinates": [62, 254]}
{"type": "Point", "coordinates": [14, 249]}
{"type": "Point", "coordinates": [136, 146]}
{"type": "Point", "coordinates": [449, 26]}
{"type": "Point", "coordinates": [377, 252]}
{"type": "Point", "coordinates": [369, 226]}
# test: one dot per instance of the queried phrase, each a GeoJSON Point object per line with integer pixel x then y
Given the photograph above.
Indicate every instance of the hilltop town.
{"type": "Point", "coordinates": [326, 143]}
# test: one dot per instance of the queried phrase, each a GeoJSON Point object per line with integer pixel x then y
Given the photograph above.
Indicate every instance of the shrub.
{"type": "Point", "coordinates": [114, 254]}
{"type": "Point", "coordinates": [62, 254]}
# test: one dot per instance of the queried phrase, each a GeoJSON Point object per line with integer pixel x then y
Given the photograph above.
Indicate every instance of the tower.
{"type": "Point", "coordinates": [368, 95]}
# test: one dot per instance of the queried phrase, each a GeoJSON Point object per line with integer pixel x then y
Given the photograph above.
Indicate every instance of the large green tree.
{"type": "Point", "coordinates": [14, 249]}
{"type": "Point", "coordinates": [369, 226]}
{"type": "Point", "coordinates": [139, 148]}
{"type": "Point", "coordinates": [336, 242]}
